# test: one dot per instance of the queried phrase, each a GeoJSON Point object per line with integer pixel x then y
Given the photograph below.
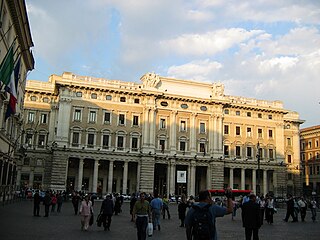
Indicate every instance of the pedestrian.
{"type": "Point", "coordinates": [132, 202]}
{"type": "Point", "coordinates": [182, 207]}
{"type": "Point", "coordinates": [262, 203]}
{"type": "Point", "coordinates": [156, 208]}
{"type": "Point", "coordinates": [46, 203]}
{"type": "Point", "coordinates": [59, 201]}
{"type": "Point", "coordinates": [212, 211]}
{"type": "Point", "coordinates": [86, 210]}
{"type": "Point", "coordinates": [270, 209]}
{"type": "Point", "coordinates": [165, 208]}
{"type": "Point", "coordinates": [75, 202]}
{"type": "Point", "coordinates": [303, 208]}
{"type": "Point", "coordinates": [53, 202]}
{"type": "Point", "coordinates": [251, 218]}
{"type": "Point", "coordinates": [36, 204]}
{"type": "Point", "coordinates": [313, 208]}
{"type": "Point", "coordinates": [107, 208]}
{"type": "Point", "coordinates": [296, 208]}
{"type": "Point", "coordinates": [141, 213]}
{"type": "Point", "coordinates": [117, 205]}
{"type": "Point", "coordinates": [290, 209]}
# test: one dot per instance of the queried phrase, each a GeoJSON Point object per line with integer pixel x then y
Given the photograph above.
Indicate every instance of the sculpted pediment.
{"type": "Point", "coordinates": [150, 80]}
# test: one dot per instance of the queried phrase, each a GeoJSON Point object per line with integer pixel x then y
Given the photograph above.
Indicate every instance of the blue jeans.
{"type": "Point", "coordinates": [142, 223]}
{"type": "Point", "coordinates": [156, 217]}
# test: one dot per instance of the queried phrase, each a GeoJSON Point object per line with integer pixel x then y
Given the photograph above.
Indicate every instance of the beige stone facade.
{"type": "Point", "coordinates": [14, 34]}
{"type": "Point", "coordinates": [310, 159]}
{"type": "Point", "coordinates": [165, 134]}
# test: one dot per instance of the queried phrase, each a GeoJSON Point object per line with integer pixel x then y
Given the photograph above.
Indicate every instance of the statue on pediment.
{"type": "Point", "coordinates": [218, 90]}
{"type": "Point", "coordinates": [150, 80]}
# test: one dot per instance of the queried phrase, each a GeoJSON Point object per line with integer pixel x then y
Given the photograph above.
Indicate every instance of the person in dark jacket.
{"type": "Point", "coordinates": [75, 202]}
{"type": "Point", "coordinates": [290, 209]}
{"type": "Point", "coordinates": [132, 202]}
{"type": "Point", "coordinates": [36, 204]}
{"type": "Point", "coordinates": [107, 211]}
{"type": "Point", "coordinates": [251, 218]}
{"type": "Point", "coordinates": [182, 207]}
{"type": "Point", "coordinates": [47, 204]}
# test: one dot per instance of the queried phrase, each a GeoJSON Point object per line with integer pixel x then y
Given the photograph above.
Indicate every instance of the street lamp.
{"type": "Point", "coordinates": [258, 177]}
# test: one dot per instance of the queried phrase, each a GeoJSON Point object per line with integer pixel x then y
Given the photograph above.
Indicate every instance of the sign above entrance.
{"type": "Point", "coordinates": [181, 176]}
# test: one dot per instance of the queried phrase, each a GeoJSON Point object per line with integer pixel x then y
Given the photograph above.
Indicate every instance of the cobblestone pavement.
{"type": "Point", "coordinates": [18, 223]}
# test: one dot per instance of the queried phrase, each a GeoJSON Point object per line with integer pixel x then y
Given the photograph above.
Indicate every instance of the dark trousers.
{"type": "Point", "coordinates": [164, 212]}
{"type": "Point", "coordinates": [303, 212]}
{"type": "Point", "coordinates": [106, 220]}
{"type": "Point", "coordinates": [252, 231]}
{"type": "Point", "coordinates": [46, 210]}
{"type": "Point", "coordinates": [75, 207]}
{"type": "Point", "coordinates": [142, 223]}
{"type": "Point", "coordinates": [59, 207]}
{"type": "Point", "coordinates": [290, 212]}
{"type": "Point", "coordinates": [269, 215]}
{"type": "Point", "coordinates": [36, 209]}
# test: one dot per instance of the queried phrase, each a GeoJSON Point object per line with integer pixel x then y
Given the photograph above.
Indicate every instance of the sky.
{"type": "Point", "coordinates": [264, 49]}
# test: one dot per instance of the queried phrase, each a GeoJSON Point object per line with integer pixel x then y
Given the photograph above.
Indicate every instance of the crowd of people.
{"type": "Point", "coordinates": [148, 209]}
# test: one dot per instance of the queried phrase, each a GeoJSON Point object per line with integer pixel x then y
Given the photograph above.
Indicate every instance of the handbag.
{"type": "Point", "coordinates": [150, 229]}
{"type": "Point", "coordinates": [99, 220]}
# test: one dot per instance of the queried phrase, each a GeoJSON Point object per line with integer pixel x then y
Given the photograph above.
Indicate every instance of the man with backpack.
{"type": "Point", "coordinates": [201, 218]}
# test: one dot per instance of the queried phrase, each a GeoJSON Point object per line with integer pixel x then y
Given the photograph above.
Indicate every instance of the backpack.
{"type": "Point", "coordinates": [202, 226]}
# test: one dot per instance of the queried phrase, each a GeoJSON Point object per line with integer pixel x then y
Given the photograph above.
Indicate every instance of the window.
{"type": "Point", "coordinates": [77, 115]}
{"type": "Point", "coordinates": [202, 148]}
{"type": "Point", "coordinates": [105, 141]}
{"type": "Point", "coordinates": [317, 155]}
{"type": "Point", "coordinates": [162, 144]}
{"type": "Point", "coordinates": [108, 97]}
{"type": "Point", "coordinates": [183, 126]}
{"type": "Point", "coordinates": [92, 116]}
{"type": "Point", "coordinates": [75, 139]}
{"type": "Point", "coordinates": [226, 150]}
{"type": "Point", "coordinates": [226, 111]}
{"type": "Point", "coordinates": [303, 157]}
{"type": "Point", "coordinates": [78, 94]}
{"type": "Point", "coordinates": [134, 143]}
{"type": "Point", "coordinates": [260, 153]}
{"type": "Point", "coordinates": [270, 133]}
{"type": "Point", "coordinates": [226, 129]}
{"type": "Point", "coordinates": [238, 113]}
{"type": "Point", "coordinates": [43, 118]}
{"type": "Point", "coordinates": [184, 106]}
{"type": "Point", "coordinates": [271, 157]}
{"type": "Point", "coordinates": [137, 100]}
{"type": "Point", "coordinates": [289, 159]}
{"type": "Point", "coordinates": [94, 96]}
{"type": "Point", "coordinates": [238, 131]}
{"type": "Point", "coordinates": [248, 114]}
{"type": "Point", "coordinates": [120, 143]}
{"type": "Point", "coordinates": [270, 116]}
{"type": "Point", "coordinates": [122, 99]}
{"type": "Point", "coordinates": [107, 118]}
{"type": "Point", "coordinates": [238, 151]}
{"type": "Point", "coordinates": [90, 142]}
{"type": "Point", "coordinates": [249, 152]}
{"type": "Point", "coordinates": [259, 115]}
{"type": "Point", "coordinates": [317, 143]}
{"type": "Point", "coordinates": [288, 141]}
{"type": "Point", "coordinates": [162, 123]}
{"type": "Point", "coordinates": [203, 108]}
{"type": "Point", "coordinates": [202, 127]}
{"type": "Point", "coordinates": [45, 100]}
{"type": "Point", "coordinates": [121, 119]}
{"type": "Point", "coordinates": [33, 98]}
{"type": "Point", "coordinates": [164, 104]}
{"type": "Point", "coordinates": [135, 121]}
{"type": "Point", "coordinates": [259, 133]}
{"type": "Point", "coordinates": [303, 146]}
{"type": "Point", "coordinates": [31, 117]}
{"type": "Point", "coordinates": [309, 144]}
{"type": "Point", "coordinates": [41, 140]}
{"type": "Point", "coordinates": [249, 132]}
{"type": "Point", "coordinates": [310, 156]}
{"type": "Point", "coordinates": [182, 146]}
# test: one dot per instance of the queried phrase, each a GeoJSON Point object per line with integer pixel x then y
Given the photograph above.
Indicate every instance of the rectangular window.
{"type": "Point", "coordinates": [248, 114]}
{"type": "Point", "coordinates": [31, 116]}
{"type": "Point", "coordinates": [92, 116]}
{"type": "Point", "coordinates": [226, 129]}
{"type": "Point", "coordinates": [249, 152]}
{"type": "Point", "coordinates": [238, 151]}
{"type": "Point", "coordinates": [107, 118]}
{"type": "Point", "coordinates": [182, 146]}
{"type": "Point", "coordinates": [43, 118]}
{"type": "Point", "coordinates": [41, 140]}
{"type": "Point", "coordinates": [29, 139]}
{"type": "Point", "coordinates": [259, 115]}
{"type": "Point", "coordinates": [134, 144]}
{"type": "Point", "coordinates": [309, 144]}
{"type": "Point", "coordinates": [162, 123]}
{"type": "Point", "coordinates": [162, 144]}
{"type": "Point", "coordinates": [77, 115]}
{"type": "Point", "coordinates": [105, 141]}
{"type": "Point", "coordinates": [202, 127]}
{"type": "Point", "coordinates": [249, 132]}
{"type": "Point", "coordinates": [271, 154]}
{"type": "Point", "coordinates": [226, 150]}
{"type": "Point", "coordinates": [260, 152]}
{"type": "Point", "coordinates": [259, 133]}
{"type": "Point", "coordinates": [270, 117]}
{"type": "Point", "coordinates": [183, 126]}
{"type": "Point", "coordinates": [238, 131]}
{"type": "Point", "coordinates": [75, 139]}
{"type": "Point", "coordinates": [270, 133]}
{"type": "Point", "coordinates": [121, 119]}
{"type": "Point", "coordinates": [202, 147]}
{"type": "Point", "coordinates": [120, 143]}
{"type": "Point", "coordinates": [289, 141]}
{"type": "Point", "coordinates": [289, 159]}
{"type": "Point", "coordinates": [317, 143]}
{"type": "Point", "coordinates": [238, 113]}
{"type": "Point", "coordinates": [90, 142]}
{"type": "Point", "coordinates": [135, 121]}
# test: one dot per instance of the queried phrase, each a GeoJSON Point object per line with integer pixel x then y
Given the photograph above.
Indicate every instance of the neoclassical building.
{"type": "Point", "coordinates": [164, 134]}
{"type": "Point", "coordinates": [310, 159]}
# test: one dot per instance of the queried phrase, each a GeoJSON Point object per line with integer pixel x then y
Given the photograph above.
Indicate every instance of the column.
{"type": "Point", "coordinates": [275, 183]}
{"type": "Point", "coordinates": [173, 132]}
{"type": "Point", "coordinates": [192, 178]}
{"type": "Point", "coordinates": [254, 181]}
{"type": "Point", "coordinates": [219, 131]}
{"type": "Point", "coordinates": [105, 180]}
{"type": "Point", "coordinates": [193, 127]}
{"type": "Point", "coordinates": [173, 176]}
{"type": "Point", "coordinates": [125, 178]}
{"type": "Point", "coordinates": [110, 176]}
{"type": "Point", "coordinates": [265, 182]}
{"type": "Point", "coordinates": [215, 135]}
{"type": "Point", "coordinates": [231, 177]}
{"type": "Point", "coordinates": [31, 176]}
{"type": "Point", "coordinates": [18, 178]}
{"type": "Point", "coordinates": [95, 176]}
{"type": "Point", "coordinates": [209, 177]}
{"type": "Point", "coordinates": [211, 136]}
{"type": "Point", "coordinates": [243, 179]}
{"type": "Point", "coordinates": [80, 174]}
{"type": "Point", "coordinates": [152, 128]}
{"type": "Point", "coordinates": [138, 176]}
{"type": "Point", "coordinates": [168, 178]}
{"type": "Point", "coordinates": [145, 135]}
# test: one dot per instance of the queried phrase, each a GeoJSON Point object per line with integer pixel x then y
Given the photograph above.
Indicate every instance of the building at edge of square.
{"type": "Point", "coordinates": [167, 135]}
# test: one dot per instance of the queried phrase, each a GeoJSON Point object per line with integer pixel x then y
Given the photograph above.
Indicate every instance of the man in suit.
{"type": "Point", "coordinates": [251, 218]}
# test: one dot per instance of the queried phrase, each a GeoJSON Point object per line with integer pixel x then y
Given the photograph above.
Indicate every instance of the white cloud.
{"type": "Point", "coordinates": [281, 63]}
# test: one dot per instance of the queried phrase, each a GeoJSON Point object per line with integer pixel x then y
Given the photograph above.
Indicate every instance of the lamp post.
{"type": "Point", "coordinates": [258, 174]}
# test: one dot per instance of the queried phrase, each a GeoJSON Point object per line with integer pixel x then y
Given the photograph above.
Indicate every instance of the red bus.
{"type": "Point", "coordinates": [235, 192]}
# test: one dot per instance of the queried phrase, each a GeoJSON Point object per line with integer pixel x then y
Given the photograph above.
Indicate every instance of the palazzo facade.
{"type": "Point", "coordinates": [170, 135]}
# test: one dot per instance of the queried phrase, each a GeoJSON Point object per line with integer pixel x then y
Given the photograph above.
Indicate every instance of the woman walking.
{"type": "Point", "coordinates": [86, 210]}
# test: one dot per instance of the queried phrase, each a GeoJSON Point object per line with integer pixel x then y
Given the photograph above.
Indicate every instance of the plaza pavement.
{"type": "Point", "coordinates": [17, 223]}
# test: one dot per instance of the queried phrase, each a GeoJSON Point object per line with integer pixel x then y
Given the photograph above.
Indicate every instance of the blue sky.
{"type": "Point", "coordinates": [265, 49]}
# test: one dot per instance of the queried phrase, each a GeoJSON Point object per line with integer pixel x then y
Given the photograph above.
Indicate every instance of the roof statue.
{"type": "Point", "coordinates": [150, 80]}
{"type": "Point", "coordinates": [218, 90]}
